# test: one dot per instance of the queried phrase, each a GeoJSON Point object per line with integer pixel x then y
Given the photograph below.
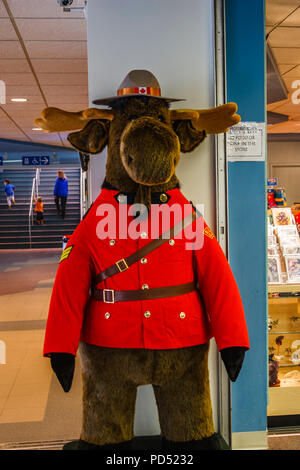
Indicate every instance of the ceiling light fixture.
{"type": "Point", "coordinates": [19, 100]}
{"type": "Point", "coordinates": [37, 129]}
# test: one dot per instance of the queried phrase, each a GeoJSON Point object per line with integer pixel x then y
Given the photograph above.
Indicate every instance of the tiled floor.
{"type": "Point", "coordinates": [33, 407]}
{"type": "Point", "coordinates": [284, 442]}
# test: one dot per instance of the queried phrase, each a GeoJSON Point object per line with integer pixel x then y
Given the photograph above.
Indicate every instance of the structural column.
{"type": "Point", "coordinates": [245, 69]}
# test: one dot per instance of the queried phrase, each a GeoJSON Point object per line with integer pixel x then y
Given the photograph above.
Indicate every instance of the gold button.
{"type": "Point", "coordinates": [144, 260]}
{"type": "Point", "coordinates": [182, 315]}
{"type": "Point", "coordinates": [107, 315]}
{"type": "Point", "coordinates": [112, 242]}
{"type": "Point", "coordinates": [172, 242]}
{"type": "Point", "coordinates": [163, 197]}
{"type": "Point", "coordinates": [147, 314]}
{"type": "Point", "coordinates": [143, 235]}
{"type": "Point", "coordinates": [145, 286]}
{"type": "Point", "coordinates": [121, 198]}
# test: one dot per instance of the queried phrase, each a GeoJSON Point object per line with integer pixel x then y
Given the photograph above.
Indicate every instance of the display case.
{"type": "Point", "coordinates": [283, 318]}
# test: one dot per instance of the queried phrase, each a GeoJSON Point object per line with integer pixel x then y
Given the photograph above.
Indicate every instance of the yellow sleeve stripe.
{"type": "Point", "coordinates": [66, 253]}
{"type": "Point", "coordinates": [207, 231]}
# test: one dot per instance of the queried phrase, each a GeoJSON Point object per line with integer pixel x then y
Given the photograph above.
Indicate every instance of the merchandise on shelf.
{"type": "Point", "coordinates": [280, 197]}
{"type": "Point", "coordinates": [271, 198]}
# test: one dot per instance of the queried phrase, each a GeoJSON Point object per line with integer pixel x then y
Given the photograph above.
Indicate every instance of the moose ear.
{"type": "Point", "coordinates": [59, 120]}
{"type": "Point", "coordinates": [92, 138]}
{"type": "Point", "coordinates": [191, 126]}
{"type": "Point", "coordinates": [188, 135]}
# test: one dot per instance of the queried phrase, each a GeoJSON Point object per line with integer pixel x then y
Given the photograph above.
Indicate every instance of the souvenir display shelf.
{"type": "Point", "coordinates": [284, 322]}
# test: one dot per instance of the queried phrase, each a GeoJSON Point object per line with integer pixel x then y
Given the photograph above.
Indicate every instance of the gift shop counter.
{"type": "Point", "coordinates": [284, 316]}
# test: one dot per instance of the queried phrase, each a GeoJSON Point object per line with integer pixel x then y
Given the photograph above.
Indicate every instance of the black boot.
{"type": "Point", "coordinates": [214, 442]}
{"type": "Point", "coordinates": [83, 445]}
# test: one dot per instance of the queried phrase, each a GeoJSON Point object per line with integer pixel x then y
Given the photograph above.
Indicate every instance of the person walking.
{"type": "Point", "coordinates": [61, 193]}
{"type": "Point", "coordinates": [39, 210]}
{"type": "Point", "coordinates": [9, 190]}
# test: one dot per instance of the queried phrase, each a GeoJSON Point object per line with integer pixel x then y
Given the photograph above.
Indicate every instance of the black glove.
{"type": "Point", "coordinates": [63, 364]}
{"type": "Point", "coordinates": [233, 359]}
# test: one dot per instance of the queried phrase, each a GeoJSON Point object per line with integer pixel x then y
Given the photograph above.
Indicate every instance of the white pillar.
{"type": "Point", "coordinates": [175, 41]}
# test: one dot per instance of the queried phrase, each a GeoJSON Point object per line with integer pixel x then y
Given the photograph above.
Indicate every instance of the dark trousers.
{"type": "Point", "coordinates": [61, 202]}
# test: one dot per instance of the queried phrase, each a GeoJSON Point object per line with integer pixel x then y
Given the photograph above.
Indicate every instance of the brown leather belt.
{"type": "Point", "coordinates": [110, 296]}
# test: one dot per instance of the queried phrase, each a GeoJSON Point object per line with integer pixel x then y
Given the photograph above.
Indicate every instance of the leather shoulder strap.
{"type": "Point", "coordinates": [124, 264]}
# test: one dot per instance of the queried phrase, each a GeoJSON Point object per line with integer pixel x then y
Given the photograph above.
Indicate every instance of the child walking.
{"type": "Point", "coordinates": [39, 210]}
{"type": "Point", "coordinates": [9, 190]}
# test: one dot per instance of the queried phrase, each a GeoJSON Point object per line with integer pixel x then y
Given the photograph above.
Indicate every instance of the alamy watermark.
{"type": "Point", "coordinates": [130, 222]}
{"type": "Point", "coordinates": [2, 92]}
{"type": "Point", "coordinates": [295, 97]}
{"type": "Point", "coordinates": [2, 352]}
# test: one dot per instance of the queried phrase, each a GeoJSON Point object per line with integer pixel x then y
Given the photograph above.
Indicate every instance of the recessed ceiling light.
{"type": "Point", "coordinates": [19, 100]}
{"type": "Point", "coordinates": [37, 129]}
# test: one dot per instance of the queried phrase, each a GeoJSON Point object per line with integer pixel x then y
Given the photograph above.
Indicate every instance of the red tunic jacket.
{"type": "Point", "coordinates": [213, 310]}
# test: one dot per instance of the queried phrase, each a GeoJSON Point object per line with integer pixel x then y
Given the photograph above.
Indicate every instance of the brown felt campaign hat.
{"type": "Point", "coordinates": [137, 83]}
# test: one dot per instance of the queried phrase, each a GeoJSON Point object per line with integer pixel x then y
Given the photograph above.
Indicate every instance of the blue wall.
{"type": "Point", "coordinates": [245, 64]}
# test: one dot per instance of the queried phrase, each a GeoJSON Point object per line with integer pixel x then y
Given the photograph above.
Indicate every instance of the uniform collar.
{"type": "Point", "coordinates": [122, 197]}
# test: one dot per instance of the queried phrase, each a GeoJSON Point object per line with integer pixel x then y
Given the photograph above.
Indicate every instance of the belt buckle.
{"type": "Point", "coordinates": [112, 293]}
{"type": "Point", "coordinates": [122, 265]}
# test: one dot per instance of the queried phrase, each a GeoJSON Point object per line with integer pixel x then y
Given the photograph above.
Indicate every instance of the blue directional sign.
{"type": "Point", "coordinates": [36, 160]}
{"type": "Point", "coordinates": [1, 161]}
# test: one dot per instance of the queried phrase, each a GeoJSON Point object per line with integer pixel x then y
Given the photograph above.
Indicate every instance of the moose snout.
{"type": "Point", "coordinates": [150, 150]}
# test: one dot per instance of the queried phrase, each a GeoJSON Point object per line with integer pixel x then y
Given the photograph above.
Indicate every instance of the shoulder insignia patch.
{"type": "Point", "coordinates": [207, 231]}
{"type": "Point", "coordinates": [66, 253]}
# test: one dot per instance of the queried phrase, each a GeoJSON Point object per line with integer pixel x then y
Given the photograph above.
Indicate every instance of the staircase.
{"type": "Point", "coordinates": [14, 223]}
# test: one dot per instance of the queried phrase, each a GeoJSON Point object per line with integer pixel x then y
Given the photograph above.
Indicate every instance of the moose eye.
{"type": "Point", "coordinates": [161, 118]}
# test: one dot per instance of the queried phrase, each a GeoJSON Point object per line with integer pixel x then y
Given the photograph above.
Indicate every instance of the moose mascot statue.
{"type": "Point", "coordinates": [143, 285]}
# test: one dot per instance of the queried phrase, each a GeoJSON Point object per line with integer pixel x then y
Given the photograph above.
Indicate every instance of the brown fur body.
{"type": "Point", "coordinates": [180, 381]}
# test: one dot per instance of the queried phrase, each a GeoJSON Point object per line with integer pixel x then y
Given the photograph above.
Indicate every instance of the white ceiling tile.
{"type": "Point", "coordinates": [7, 31]}
{"type": "Point", "coordinates": [289, 82]}
{"type": "Point", "coordinates": [17, 78]}
{"type": "Point", "coordinates": [73, 107]}
{"type": "Point", "coordinates": [22, 90]}
{"type": "Point", "coordinates": [14, 65]}
{"type": "Point", "coordinates": [19, 109]}
{"type": "Point", "coordinates": [43, 9]}
{"type": "Point", "coordinates": [285, 37]}
{"type": "Point", "coordinates": [64, 79]}
{"type": "Point", "coordinates": [3, 12]}
{"type": "Point", "coordinates": [11, 50]}
{"type": "Point", "coordinates": [66, 100]}
{"type": "Point", "coordinates": [285, 107]}
{"type": "Point", "coordinates": [52, 29]}
{"type": "Point", "coordinates": [60, 65]}
{"type": "Point", "coordinates": [56, 49]}
{"type": "Point", "coordinates": [285, 55]}
{"type": "Point", "coordinates": [286, 127]}
{"type": "Point", "coordinates": [277, 10]}
{"type": "Point", "coordinates": [292, 20]}
{"type": "Point", "coordinates": [285, 68]}
{"type": "Point", "coordinates": [66, 90]}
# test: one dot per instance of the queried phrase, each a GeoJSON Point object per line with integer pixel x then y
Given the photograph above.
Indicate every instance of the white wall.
{"type": "Point", "coordinates": [174, 40]}
{"type": "Point", "coordinates": [284, 163]}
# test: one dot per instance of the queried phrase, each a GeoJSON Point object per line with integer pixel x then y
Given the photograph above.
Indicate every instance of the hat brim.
{"type": "Point", "coordinates": [112, 99]}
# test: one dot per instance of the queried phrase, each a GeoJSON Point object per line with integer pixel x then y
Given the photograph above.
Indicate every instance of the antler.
{"type": "Point", "coordinates": [58, 120]}
{"type": "Point", "coordinates": [212, 121]}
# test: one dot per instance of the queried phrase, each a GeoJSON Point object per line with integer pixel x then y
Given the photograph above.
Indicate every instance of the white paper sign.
{"type": "Point", "coordinates": [246, 142]}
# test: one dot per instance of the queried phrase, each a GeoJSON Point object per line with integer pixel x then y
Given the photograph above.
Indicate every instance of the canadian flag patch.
{"type": "Point", "coordinates": [143, 90]}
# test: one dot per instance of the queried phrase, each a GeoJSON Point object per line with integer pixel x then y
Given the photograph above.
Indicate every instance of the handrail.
{"type": "Point", "coordinates": [34, 194]}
